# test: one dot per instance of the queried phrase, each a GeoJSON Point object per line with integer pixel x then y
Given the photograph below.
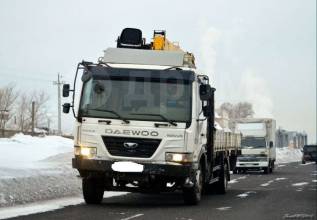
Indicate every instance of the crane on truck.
{"type": "Point", "coordinates": [145, 122]}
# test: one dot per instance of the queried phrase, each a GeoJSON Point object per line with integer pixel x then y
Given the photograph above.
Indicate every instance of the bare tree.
{"type": "Point", "coordinates": [239, 110]}
{"type": "Point", "coordinates": [8, 95]}
{"type": "Point", "coordinates": [23, 117]}
{"type": "Point", "coordinates": [226, 108]}
{"type": "Point", "coordinates": [40, 113]}
{"type": "Point", "coordinates": [243, 110]}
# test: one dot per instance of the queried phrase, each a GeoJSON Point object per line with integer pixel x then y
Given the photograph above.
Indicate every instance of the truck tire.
{"type": "Point", "coordinates": [192, 196]}
{"type": "Point", "coordinates": [222, 184]}
{"type": "Point", "coordinates": [92, 190]}
{"type": "Point", "coordinates": [272, 167]}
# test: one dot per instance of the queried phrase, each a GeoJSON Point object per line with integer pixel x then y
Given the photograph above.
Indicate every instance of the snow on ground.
{"type": "Point", "coordinates": [288, 155]}
{"type": "Point", "coordinates": [22, 151]}
{"type": "Point", "coordinates": [39, 207]}
{"type": "Point", "coordinates": [36, 168]}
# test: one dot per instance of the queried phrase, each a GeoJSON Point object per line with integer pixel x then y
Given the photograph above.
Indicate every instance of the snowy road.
{"type": "Point", "coordinates": [288, 193]}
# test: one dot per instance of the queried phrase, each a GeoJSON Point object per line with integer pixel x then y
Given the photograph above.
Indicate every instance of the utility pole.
{"type": "Point", "coordinates": [59, 83]}
{"type": "Point", "coordinates": [4, 117]}
{"type": "Point", "coordinates": [33, 115]}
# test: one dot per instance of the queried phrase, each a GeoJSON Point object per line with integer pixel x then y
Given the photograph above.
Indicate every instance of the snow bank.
{"type": "Point", "coordinates": [22, 151]}
{"type": "Point", "coordinates": [35, 169]}
{"type": "Point", "coordinates": [40, 207]}
{"type": "Point", "coordinates": [288, 155]}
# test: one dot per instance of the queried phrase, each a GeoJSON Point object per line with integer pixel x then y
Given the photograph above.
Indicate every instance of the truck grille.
{"type": "Point", "coordinates": [144, 148]}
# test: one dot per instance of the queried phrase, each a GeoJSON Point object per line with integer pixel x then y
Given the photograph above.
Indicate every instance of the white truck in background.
{"type": "Point", "coordinates": [258, 150]}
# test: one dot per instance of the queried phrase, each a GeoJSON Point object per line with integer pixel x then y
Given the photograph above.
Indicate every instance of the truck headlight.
{"type": "Point", "coordinates": [179, 157]}
{"type": "Point", "coordinates": [88, 152]}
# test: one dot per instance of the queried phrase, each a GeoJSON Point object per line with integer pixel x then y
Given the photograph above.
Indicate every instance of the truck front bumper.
{"type": "Point", "coordinates": [169, 170]}
{"type": "Point", "coordinates": [255, 164]}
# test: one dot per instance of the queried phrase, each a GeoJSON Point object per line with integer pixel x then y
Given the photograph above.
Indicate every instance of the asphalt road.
{"type": "Point", "coordinates": [288, 193]}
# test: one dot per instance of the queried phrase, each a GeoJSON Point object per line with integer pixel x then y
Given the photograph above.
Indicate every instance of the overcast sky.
{"type": "Point", "coordinates": [262, 51]}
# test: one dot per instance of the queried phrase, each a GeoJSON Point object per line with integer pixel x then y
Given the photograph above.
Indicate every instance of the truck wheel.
{"type": "Point", "coordinates": [303, 161]}
{"type": "Point", "coordinates": [271, 167]}
{"type": "Point", "coordinates": [192, 196]}
{"type": "Point", "coordinates": [235, 171]}
{"type": "Point", "coordinates": [222, 184]}
{"type": "Point", "coordinates": [92, 190]}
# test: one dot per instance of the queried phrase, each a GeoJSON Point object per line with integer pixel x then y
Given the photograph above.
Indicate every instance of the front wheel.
{"type": "Point", "coordinates": [222, 184]}
{"type": "Point", "coordinates": [271, 167]}
{"type": "Point", "coordinates": [192, 196]}
{"type": "Point", "coordinates": [92, 190]}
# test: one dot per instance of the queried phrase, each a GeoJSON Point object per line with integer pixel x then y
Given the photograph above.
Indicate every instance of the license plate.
{"type": "Point", "coordinates": [127, 166]}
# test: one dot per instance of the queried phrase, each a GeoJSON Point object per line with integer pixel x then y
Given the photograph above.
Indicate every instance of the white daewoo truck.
{"type": "Point", "coordinates": [257, 144]}
{"type": "Point", "coordinates": [145, 123]}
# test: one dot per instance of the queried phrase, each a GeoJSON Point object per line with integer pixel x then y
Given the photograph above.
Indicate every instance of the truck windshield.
{"type": "Point", "coordinates": [137, 98]}
{"type": "Point", "coordinates": [253, 142]}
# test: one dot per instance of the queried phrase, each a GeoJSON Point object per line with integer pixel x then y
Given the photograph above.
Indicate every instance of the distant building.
{"type": "Point", "coordinates": [292, 139]}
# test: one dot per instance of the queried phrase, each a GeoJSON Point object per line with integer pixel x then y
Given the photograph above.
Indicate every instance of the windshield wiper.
{"type": "Point", "coordinates": [163, 117]}
{"type": "Point", "coordinates": [111, 111]}
{"type": "Point", "coordinates": [174, 67]}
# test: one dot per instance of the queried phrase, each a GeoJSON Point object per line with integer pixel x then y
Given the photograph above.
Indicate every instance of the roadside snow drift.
{"type": "Point", "coordinates": [288, 155]}
{"type": "Point", "coordinates": [21, 151]}
{"type": "Point", "coordinates": [36, 168]}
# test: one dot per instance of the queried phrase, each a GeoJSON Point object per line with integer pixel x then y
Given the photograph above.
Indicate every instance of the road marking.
{"type": "Point", "coordinates": [268, 183]}
{"type": "Point", "coordinates": [246, 194]}
{"type": "Point", "coordinates": [223, 208]}
{"type": "Point", "coordinates": [236, 180]}
{"type": "Point", "coordinates": [133, 216]}
{"type": "Point", "coordinates": [280, 178]}
{"type": "Point", "coordinates": [299, 184]}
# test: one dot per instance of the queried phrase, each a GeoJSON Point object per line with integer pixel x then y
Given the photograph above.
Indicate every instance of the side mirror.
{"type": "Point", "coordinates": [66, 89]}
{"type": "Point", "coordinates": [206, 111]}
{"type": "Point", "coordinates": [66, 108]}
{"type": "Point", "coordinates": [271, 144]}
{"type": "Point", "coordinates": [205, 92]}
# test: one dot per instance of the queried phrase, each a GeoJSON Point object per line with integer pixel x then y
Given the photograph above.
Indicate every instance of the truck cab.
{"type": "Point", "coordinates": [257, 145]}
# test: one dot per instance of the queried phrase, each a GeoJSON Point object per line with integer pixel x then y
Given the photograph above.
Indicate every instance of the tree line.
{"type": "Point", "coordinates": [16, 108]}
{"type": "Point", "coordinates": [236, 111]}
